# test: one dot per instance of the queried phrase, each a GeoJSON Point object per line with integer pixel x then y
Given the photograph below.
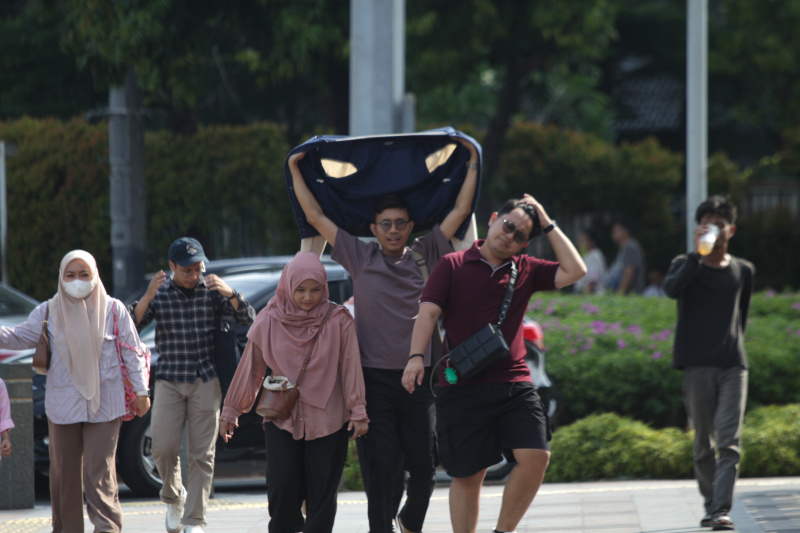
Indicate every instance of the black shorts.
{"type": "Point", "coordinates": [477, 424]}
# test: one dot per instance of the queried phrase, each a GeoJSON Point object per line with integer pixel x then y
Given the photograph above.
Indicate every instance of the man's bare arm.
{"type": "Point", "coordinates": [309, 204]}
{"type": "Point", "coordinates": [463, 205]}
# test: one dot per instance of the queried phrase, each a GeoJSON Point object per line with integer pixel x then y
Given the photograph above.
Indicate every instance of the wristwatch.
{"type": "Point", "coordinates": [553, 225]}
{"type": "Point", "coordinates": [236, 294]}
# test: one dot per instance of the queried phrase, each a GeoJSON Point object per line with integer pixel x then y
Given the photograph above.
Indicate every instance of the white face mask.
{"type": "Point", "coordinates": [80, 289]}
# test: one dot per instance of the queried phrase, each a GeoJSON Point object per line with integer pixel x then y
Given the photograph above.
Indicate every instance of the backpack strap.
{"type": "Point", "coordinates": [423, 266]}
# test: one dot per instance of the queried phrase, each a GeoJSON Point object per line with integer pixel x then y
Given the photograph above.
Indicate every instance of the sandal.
{"type": "Point", "coordinates": [722, 522]}
{"type": "Point", "coordinates": [707, 521]}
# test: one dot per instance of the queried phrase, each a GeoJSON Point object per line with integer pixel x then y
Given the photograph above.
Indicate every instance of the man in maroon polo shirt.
{"type": "Point", "coordinates": [498, 411]}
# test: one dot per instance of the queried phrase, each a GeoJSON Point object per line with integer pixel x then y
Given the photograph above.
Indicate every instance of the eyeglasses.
{"type": "Point", "coordinates": [188, 273]}
{"type": "Point", "coordinates": [400, 224]}
{"type": "Point", "coordinates": [510, 227]}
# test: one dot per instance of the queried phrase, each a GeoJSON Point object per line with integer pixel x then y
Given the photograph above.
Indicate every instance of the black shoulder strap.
{"type": "Point", "coordinates": [509, 293]}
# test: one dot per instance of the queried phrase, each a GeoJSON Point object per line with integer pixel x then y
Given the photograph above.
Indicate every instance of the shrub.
{"type": "Point", "coordinates": [607, 446]}
{"type": "Point", "coordinates": [771, 442]}
{"type": "Point", "coordinates": [224, 185]}
{"type": "Point", "coordinates": [613, 354]}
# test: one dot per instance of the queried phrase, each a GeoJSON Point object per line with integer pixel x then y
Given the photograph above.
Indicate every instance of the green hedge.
{"type": "Point", "coordinates": [614, 354]}
{"type": "Point", "coordinates": [574, 173]}
{"type": "Point", "coordinates": [607, 446]}
{"type": "Point", "coordinates": [224, 185]}
{"type": "Point", "coordinates": [57, 190]}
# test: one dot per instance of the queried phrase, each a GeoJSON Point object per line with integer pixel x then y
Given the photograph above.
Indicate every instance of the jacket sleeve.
{"type": "Point", "coordinates": [26, 335]}
{"type": "Point", "coordinates": [351, 373]}
{"type": "Point", "coordinates": [682, 271]}
{"type": "Point", "coordinates": [246, 384]}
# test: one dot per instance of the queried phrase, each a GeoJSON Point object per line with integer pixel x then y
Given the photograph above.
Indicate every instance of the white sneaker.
{"type": "Point", "coordinates": [192, 529]}
{"type": "Point", "coordinates": [175, 514]}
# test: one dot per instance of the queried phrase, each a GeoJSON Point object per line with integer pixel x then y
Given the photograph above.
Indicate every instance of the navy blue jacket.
{"type": "Point", "coordinates": [382, 164]}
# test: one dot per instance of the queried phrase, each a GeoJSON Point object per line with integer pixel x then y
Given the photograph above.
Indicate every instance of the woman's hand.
{"type": "Point", "coordinates": [358, 427]}
{"type": "Point", "coordinates": [226, 430]}
{"type": "Point", "coordinates": [5, 445]}
{"type": "Point", "coordinates": [142, 405]}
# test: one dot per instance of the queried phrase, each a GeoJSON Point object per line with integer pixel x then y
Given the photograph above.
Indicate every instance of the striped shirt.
{"type": "Point", "coordinates": [185, 330]}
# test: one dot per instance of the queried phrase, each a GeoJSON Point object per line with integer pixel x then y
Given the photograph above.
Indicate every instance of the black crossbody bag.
{"type": "Point", "coordinates": [487, 346]}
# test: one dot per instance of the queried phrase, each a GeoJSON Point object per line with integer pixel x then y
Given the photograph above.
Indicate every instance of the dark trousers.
{"type": "Point", "coordinates": [715, 401]}
{"type": "Point", "coordinates": [300, 470]}
{"type": "Point", "coordinates": [400, 437]}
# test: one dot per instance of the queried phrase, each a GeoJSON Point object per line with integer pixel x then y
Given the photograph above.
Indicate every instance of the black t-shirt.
{"type": "Point", "coordinates": [712, 311]}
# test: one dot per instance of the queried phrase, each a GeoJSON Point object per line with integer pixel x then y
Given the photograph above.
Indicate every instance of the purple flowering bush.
{"type": "Point", "coordinates": [614, 354]}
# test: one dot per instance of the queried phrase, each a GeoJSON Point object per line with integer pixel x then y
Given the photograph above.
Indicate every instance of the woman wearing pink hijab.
{"type": "Point", "coordinates": [306, 452]}
{"type": "Point", "coordinates": [85, 397]}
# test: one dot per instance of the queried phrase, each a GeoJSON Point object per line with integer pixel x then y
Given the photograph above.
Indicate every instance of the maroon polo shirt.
{"type": "Point", "coordinates": [470, 293]}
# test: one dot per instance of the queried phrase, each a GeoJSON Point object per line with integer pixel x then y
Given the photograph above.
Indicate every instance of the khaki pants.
{"type": "Point", "coordinates": [176, 404]}
{"type": "Point", "coordinates": [82, 458]}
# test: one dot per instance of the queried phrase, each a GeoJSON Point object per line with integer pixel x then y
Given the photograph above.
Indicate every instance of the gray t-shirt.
{"type": "Point", "coordinates": [387, 290]}
{"type": "Point", "coordinates": [630, 255]}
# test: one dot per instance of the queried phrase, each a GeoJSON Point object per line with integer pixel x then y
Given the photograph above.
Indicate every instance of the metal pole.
{"type": "Point", "coordinates": [3, 213]}
{"type": "Point", "coordinates": [696, 111]}
{"type": "Point", "coordinates": [127, 195]}
{"type": "Point", "coordinates": [377, 66]}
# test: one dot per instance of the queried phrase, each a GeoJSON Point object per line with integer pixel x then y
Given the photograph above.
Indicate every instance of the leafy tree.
{"type": "Point", "coordinates": [230, 62]}
{"type": "Point", "coordinates": [505, 55]}
{"type": "Point", "coordinates": [34, 75]}
{"type": "Point", "coordinates": [755, 50]}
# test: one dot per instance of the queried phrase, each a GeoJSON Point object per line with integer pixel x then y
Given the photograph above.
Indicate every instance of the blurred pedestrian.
{"type": "Point", "coordinates": [187, 390]}
{"type": "Point", "coordinates": [594, 280]}
{"type": "Point", "coordinates": [85, 397]}
{"type": "Point", "coordinates": [713, 293]}
{"type": "Point", "coordinates": [656, 287]}
{"type": "Point", "coordinates": [306, 452]}
{"type": "Point", "coordinates": [6, 424]}
{"type": "Point", "coordinates": [627, 273]}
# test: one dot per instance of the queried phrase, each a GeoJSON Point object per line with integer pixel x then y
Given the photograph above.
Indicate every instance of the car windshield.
{"type": "Point", "coordinates": [14, 303]}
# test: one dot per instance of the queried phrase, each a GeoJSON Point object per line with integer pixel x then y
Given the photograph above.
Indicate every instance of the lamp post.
{"type": "Point", "coordinates": [696, 111]}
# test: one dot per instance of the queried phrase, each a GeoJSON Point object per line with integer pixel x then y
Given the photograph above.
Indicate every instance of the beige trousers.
{"type": "Point", "coordinates": [175, 406]}
{"type": "Point", "coordinates": [82, 462]}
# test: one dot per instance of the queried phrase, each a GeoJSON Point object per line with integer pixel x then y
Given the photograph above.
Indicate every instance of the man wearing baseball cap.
{"type": "Point", "coordinates": [187, 390]}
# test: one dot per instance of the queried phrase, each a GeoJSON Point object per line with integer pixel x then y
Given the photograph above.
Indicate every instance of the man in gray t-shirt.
{"type": "Point", "coordinates": [627, 273]}
{"type": "Point", "coordinates": [388, 284]}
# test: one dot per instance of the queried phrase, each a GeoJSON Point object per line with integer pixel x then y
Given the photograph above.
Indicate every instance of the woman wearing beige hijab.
{"type": "Point", "coordinates": [85, 398]}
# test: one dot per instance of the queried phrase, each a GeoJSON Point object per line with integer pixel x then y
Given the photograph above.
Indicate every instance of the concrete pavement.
{"type": "Point", "coordinates": [761, 506]}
